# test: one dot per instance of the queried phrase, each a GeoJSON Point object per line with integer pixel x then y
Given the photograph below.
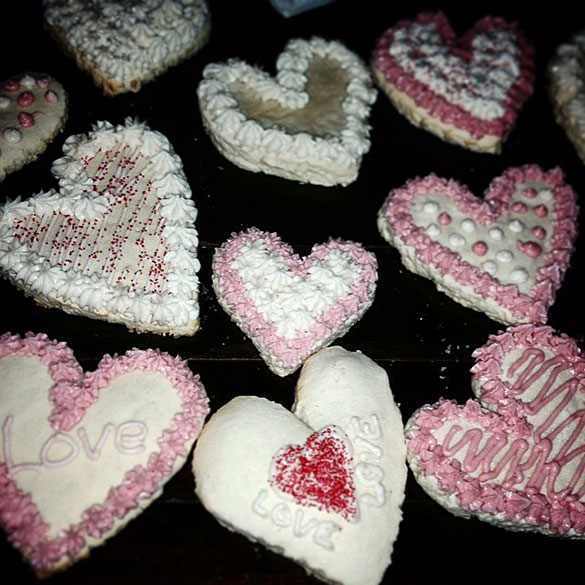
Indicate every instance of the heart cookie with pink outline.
{"type": "Point", "coordinates": [323, 484]}
{"type": "Point", "coordinates": [468, 90]}
{"type": "Point", "coordinates": [117, 241]}
{"type": "Point", "coordinates": [107, 440]}
{"type": "Point", "coordinates": [515, 456]}
{"type": "Point", "coordinates": [505, 255]}
{"type": "Point", "coordinates": [289, 306]}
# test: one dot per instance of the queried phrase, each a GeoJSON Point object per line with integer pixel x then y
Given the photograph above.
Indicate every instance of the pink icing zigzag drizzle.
{"type": "Point", "coordinates": [72, 397]}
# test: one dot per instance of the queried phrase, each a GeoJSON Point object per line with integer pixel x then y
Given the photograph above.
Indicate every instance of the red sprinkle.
{"type": "Point", "coordinates": [26, 99]}
{"type": "Point", "coordinates": [26, 120]}
{"type": "Point", "coordinates": [51, 96]}
{"type": "Point", "coordinates": [541, 211]}
{"type": "Point", "coordinates": [531, 249]}
{"type": "Point", "coordinates": [11, 85]}
{"type": "Point", "coordinates": [539, 232]}
{"type": "Point", "coordinates": [444, 219]}
{"type": "Point", "coordinates": [480, 248]}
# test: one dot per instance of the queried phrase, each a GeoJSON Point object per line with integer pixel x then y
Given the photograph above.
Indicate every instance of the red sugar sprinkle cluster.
{"type": "Point", "coordinates": [318, 473]}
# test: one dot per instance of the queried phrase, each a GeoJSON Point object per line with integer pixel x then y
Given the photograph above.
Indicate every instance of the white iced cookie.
{"type": "Point", "coordinates": [33, 109]}
{"type": "Point", "coordinates": [126, 44]}
{"type": "Point", "coordinates": [308, 124]}
{"type": "Point", "coordinates": [323, 484]}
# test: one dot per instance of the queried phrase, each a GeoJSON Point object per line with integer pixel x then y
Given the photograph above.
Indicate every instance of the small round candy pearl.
{"type": "Point", "coordinates": [539, 232]}
{"type": "Point", "coordinates": [519, 207]}
{"type": "Point", "coordinates": [27, 81]}
{"type": "Point", "coordinates": [546, 194]}
{"type": "Point", "coordinates": [518, 275]}
{"type": "Point", "coordinates": [480, 248]}
{"type": "Point", "coordinates": [456, 240]}
{"type": "Point", "coordinates": [504, 256]}
{"type": "Point", "coordinates": [541, 211]}
{"type": "Point", "coordinates": [12, 135]}
{"type": "Point", "coordinates": [530, 193]}
{"type": "Point", "coordinates": [430, 207]}
{"type": "Point", "coordinates": [516, 226]}
{"type": "Point", "coordinates": [531, 249]}
{"type": "Point", "coordinates": [490, 267]}
{"type": "Point", "coordinates": [433, 230]}
{"type": "Point", "coordinates": [444, 219]}
{"type": "Point", "coordinates": [4, 102]}
{"type": "Point", "coordinates": [496, 233]}
{"type": "Point", "coordinates": [468, 225]}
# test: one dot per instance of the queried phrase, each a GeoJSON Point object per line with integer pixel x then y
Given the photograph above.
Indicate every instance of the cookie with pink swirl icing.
{"type": "Point", "coordinates": [33, 109]}
{"type": "Point", "coordinates": [290, 306]}
{"type": "Point", "coordinates": [515, 456]}
{"type": "Point", "coordinates": [81, 454]}
{"type": "Point", "coordinates": [505, 255]}
{"type": "Point", "coordinates": [466, 90]}
{"type": "Point", "coordinates": [117, 241]}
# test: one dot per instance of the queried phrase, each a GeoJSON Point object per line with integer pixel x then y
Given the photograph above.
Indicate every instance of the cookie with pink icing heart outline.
{"type": "Point", "coordinates": [505, 255]}
{"type": "Point", "coordinates": [514, 456]}
{"type": "Point", "coordinates": [467, 91]}
{"type": "Point", "coordinates": [117, 241]}
{"type": "Point", "coordinates": [323, 484]}
{"type": "Point", "coordinates": [33, 109]}
{"type": "Point", "coordinates": [289, 306]}
{"type": "Point", "coordinates": [84, 453]}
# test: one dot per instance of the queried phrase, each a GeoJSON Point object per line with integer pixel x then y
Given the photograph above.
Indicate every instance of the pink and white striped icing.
{"type": "Point", "coordinates": [515, 304]}
{"type": "Point", "coordinates": [72, 395]}
{"type": "Point", "coordinates": [284, 352]}
{"type": "Point", "coordinates": [514, 457]}
{"type": "Point", "coordinates": [494, 49]}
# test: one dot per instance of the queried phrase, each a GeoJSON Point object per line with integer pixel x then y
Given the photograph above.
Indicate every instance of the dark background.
{"type": "Point", "coordinates": [422, 338]}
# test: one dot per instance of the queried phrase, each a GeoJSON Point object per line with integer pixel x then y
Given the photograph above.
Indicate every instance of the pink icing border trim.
{"type": "Point", "coordinates": [72, 397]}
{"type": "Point", "coordinates": [436, 105]}
{"type": "Point", "coordinates": [561, 513]}
{"type": "Point", "coordinates": [532, 307]}
{"type": "Point", "coordinates": [289, 353]}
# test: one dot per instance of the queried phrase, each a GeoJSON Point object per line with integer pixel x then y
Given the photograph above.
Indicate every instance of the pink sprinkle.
{"type": "Point", "coordinates": [531, 249]}
{"type": "Point", "coordinates": [11, 85]}
{"type": "Point", "coordinates": [480, 248]}
{"type": "Point", "coordinates": [44, 82]}
{"type": "Point", "coordinates": [530, 193]}
{"type": "Point", "coordinates": [51, 96]}
{"type": "Point", "coordinates": [539, 232]}
{"type": "Point", "coordinates": [519, 207]}
{"type": "Point", "coordinates": [541, 211]}
{"type": "Point", "coordinates": [444, 219]}
{"type": "Point", "coordinates": [26, 99]}
{"type": "Point", "coordinates": [26, 120]}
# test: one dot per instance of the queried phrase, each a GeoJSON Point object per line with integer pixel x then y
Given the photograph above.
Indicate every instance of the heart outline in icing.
{"type": "Point", "coordinates": [72, 394]}
{"type": "Point", "coordinates": [471, 284]}
{"type": "Point", "coordinates": [529, 385]}
{"type": "Point", "coordinates": [318, 326]}
{"type": "Point", "coordinates": [144, 195]}
{"type": "Point", "coordinates": [454, 110]}
{"type": "Point", "coordinates": [324, 159]}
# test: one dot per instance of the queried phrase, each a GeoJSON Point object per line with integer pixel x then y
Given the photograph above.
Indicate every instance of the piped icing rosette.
{"type": "Point", "coordinates": [117, 241]}
{"type": "Point", "coordinates": [287, 305]}
{"type": "Point", "coordinates": [309, 124]}
{"type": "Point", "coordinates": [126, 44]}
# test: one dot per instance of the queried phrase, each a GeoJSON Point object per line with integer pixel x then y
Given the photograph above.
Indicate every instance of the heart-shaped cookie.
{"type": "Point", "coordinates": [289, 306]}
{"type": "Point", "coordinates": [467, 91]}
{"type": "Point", "coordinates": [322, 485]}
{"type": "Point", "coordinates": [117, 241]}
{"type": "Point", "coordinates": [515, 458]}
{"type": "Point", "coordinates": [33, 109]}
{"type": "Point", "coordinates": [126, 44]}
{"type": "Point", "coordinates": [566, 74]}
{"type": "Point", "coordinates": [505, 255]}
{"type": "Point", "coordinates": [83, 454]}
{"type": "Point", "coordinates": [309, 124]}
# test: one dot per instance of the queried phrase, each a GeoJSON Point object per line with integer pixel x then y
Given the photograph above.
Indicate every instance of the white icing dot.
{"type": "Point", "coordinates": [27, 81]}
{"type": "Point", "coordinates": [546, 194]}
{"type": "Point", "coordinates": [468, 225]}
{"type": "Point", "coordinates": [12, 135]}
{"type": "Point", "coordinates": [518, 275]}
{"type": "Point", "coordinates": [433, 230]}
{"type": "Point", "coordinates": [490, 267]}
{"type": "Point", "coordinates": [4, 102]}
{"type": "Point", "coordinates": [456, 240]}
{"type": "Point", "coordinates": [430, 207]}
{"type": "Point", "coordinates": [504, 256]}
{"type": "Point", "coordinates": [496, 233]}
{"type": "Point", "coordinates": [516, 225]}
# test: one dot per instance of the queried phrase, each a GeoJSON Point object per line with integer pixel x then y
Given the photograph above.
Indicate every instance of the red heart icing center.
{"type": "Point", "coordinates": [317, 474]}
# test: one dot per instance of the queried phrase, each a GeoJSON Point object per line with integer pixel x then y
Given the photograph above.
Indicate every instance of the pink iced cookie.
{"type": "Point", "coordinates": [117, 241]}
{"type": "Point", "coordinates": [468, 90]}
{"type": "Point", "coordinates": [291, 306]}
{"type": "Point", "coordinates": [323, 484]}
{"type": "Point", "coordinates": [514, 457]}
{"type": "Point", "coordinates": [33, 109]}
{"type": "Point", "coordinates": [83, 454]}
{"type": "Point", "coordinates": [505, 255]}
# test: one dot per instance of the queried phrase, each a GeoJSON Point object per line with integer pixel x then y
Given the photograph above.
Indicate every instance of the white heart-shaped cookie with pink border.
{"type": "Point", "coordinates": [289, 306]}
{"type": "Point", "coordinates": [323, 484]}
{"type": "Point", "coordinates": [83, 454]}
{"type": "Point", "coordinates": [117, 241]}
{"type": "Point", "coordinates": [467, 91]}
{"type": "Point", "coordinates": [514, 457]}
{"type": "Point", "coordinates": [505, 255]}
